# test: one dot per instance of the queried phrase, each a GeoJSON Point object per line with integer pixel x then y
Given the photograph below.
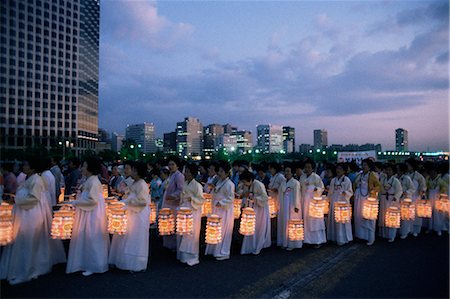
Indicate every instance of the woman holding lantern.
{"type": "Point", "coordinates": [191, 198]}
{"type": "Point", "coordinates": [130, 251]}
{"type": "Point", "coordinates": [258, 200]}
{"type": "Point", "coordinates": [223, 198]}
{"type": "Point", "coordinates": [340, 190]}
{"type": "Point", "coordinates": [420, 186]}
{"type": "Point", "coordinates": [290, 209]}
{"type": "Point", "coordinates": [406, 226]}
{"type": "Point", "coordinates": [366, 186]}
{"type": "Point", "coordinates": [311, 186]}
{"type": "Point", "coordinates": [435, 187]}
{"type": "Point", "coordinates": [88, 250]}
{"type": "Point", "coordinates": [391, 191]}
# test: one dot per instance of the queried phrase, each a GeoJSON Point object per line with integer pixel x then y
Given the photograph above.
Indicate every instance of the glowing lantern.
{"type": "Point", "coordinates": [207, 204]}
{"type": "Point", "coordinates": [326, 207]}
{"type": "Point", "coordinates": [407, 210]}
{"type": "Point", "coordinates": [166, 222]}
{"type": "Point", "coordinates": [61, 195]}
{"type": "Point", "coordinates": [272, 207]}
{"type": "Point", "coordinates": [295, 230]}
{"type": "Point", "coordinates": [442, 204]}
{"type": "Point", "coordinates": [62, 223]}
{"type": "Point", "coordinates": [424, 209]}
{"type": "Point", "coordinates": [316, 207]}
{"type": "Point", "coordinates": [105, 190]}
{"type": "Point", "coordinates": [153, 211]}
{"type": "Point", "coordinates": [117, 220]}
{"type": "Point", "coordinates": [342, 212]}
{"type": "Point", "coordinates": [237, 208]}
{"type": "Point", "coordinates": [213, 230]}
{"type": "Point", "coordinates": [392, 218]}
{"type": "Point", "coordinates": [248, 222]}
{"type": "Point", "coordinates": [370, 208]}
{"type": "Point", "coordinates": [185, 222]}
{"type": "Point", "coordinates": [6, 224]}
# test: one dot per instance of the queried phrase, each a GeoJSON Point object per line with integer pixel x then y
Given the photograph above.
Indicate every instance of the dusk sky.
{"type": "Point", "coordinates": [359, 69]}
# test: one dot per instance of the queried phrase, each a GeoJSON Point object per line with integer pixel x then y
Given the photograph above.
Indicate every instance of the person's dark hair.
{"type": "Point", "coordinates": [225, 166]}
{"type": "Point", "coordinates": [155, 171]}
{"type": "Point", "coordinates": [275, 166]}
{"type": "Point", "coordinates": [389, 165]}
{"type": "Point", "coordinates": [128, 162]}
{"type": "Point", "coordinates": [114, 165]}
{"type": "Point", "coordinates": [443, 167]}
{"type": "Point", "coordinates": [141, 169]}
{"type": "Point", "coordinates": [413, 162]}
{"type": "Point", "coordinates": [289, 165]}
{"type": "Point", "coordinates": [378, 165]}
{"type": "Point", "coordinates": [402, 166]}
{"type": "Point", "coordinates": [215, 165]}
{"type": "Point", "coordinates": [369, 163]}
{"type": "Point", "coordinates": [93, 165]}
{"type": "Point", "coordinates": [429, 166]}
{"type": "Point", "coordinates": [204, 164]}
{"type": "Point", "coordinates": [165, 171]}
{"type": "Point", "coordinates": [193, 169]}
{"type": "Point", "coordinates": [298, 165]}
{"type": "Point", "coordinates": [332, 168]}
{"type": "Point", "coordinates": [57, 159]}
{"type": "Point", "coordinates": [310, 162]}
{"type": "Point", "coordinates": [46, 163]}
{"type": "Point", "coordinates": [341, 165]}
{"type": "Point", "coordinates": [75, 161]}
{"type": "Point", "coordinates": [175, 159]}
{"type": "Point", "coordinates": [235, 163]}
{"type": "Point", "coordinates": [247, 176]}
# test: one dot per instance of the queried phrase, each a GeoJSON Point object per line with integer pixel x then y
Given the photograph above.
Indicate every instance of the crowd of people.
{"type": "Point", "coordinates": [34, 186]}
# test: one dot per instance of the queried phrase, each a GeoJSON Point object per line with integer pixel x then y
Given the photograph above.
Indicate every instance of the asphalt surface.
{"type": "Point", "coordinates": [410, 268]}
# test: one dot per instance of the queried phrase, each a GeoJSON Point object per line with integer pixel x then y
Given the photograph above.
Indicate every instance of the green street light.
{"type": "Point", "coordinates": [132, 146]}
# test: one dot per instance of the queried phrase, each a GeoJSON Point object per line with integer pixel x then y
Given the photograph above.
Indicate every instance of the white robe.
{"type": "Point", "coordinates": [28, 256]}
{"type": "Point", "coordinates": [406, 226]}
{"type": "Point", "coordinates": [130, 251]}
{"type": "Point", "coordinates": [189, 245]}
{"type": "Point", "coordinates": [364, 228]}
{"type": "Point", "coordinates": [314, 227]}
{"type": "Point", "coordinates": [223, 193]}
{"type": "Point", "coordinates": [51, 189]}
{"type": "Point", "coordinates": [437, 220]}
{"type": "Point", "coordinates": [391, 191]}
{"type": "Point", "coordinates": [261, 238]}
{"type": "Point", "coordinates": [275, 183]}
{"type": "Point", "coordinates": [339, 232]}
{"type": "Point", "coordinates": [290, 199]}
{"type": "Point", "coordinates": [420, 186]}
{"type": "Point", "coordinates": [88, 250]}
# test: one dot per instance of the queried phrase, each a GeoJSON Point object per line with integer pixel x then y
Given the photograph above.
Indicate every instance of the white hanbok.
{"type": "Point", "coordinates": [435, 187]}
{"type": "Point", "coordinates": [261, 238]}
{"type": "Point", "coordinates": [275, 183]}
{"type": "Point", "coordinates": [420, 187]}
{"type": "Point", "coordinates": [391, 191]}
{"type": "Point", "coordinates": [406, 226]}
{"type": "Point", "coordinates": [189, 245]}
{"type": "Point", "coordinates": [130, 251]}
{"type": "Point", "coordinates": [223, 193]}
{"type": "Point", "coordinates": [88, 250]}
{"type": "Point", "coordinates": [51, 184]}
{"type": "Point", "coordinates": [314, 227]}
{"type": "Point", "coordinates": [364, 228]}
{"type": "Point", "coordinates": [28, 256]}
{"type": "Point", "coordinates": [290, 199]}
{"type": "Point", "coordinates": [340, 190]}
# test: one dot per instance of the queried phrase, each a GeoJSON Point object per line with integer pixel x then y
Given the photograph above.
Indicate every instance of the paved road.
{"type": "Point", "coordinates": [415, 267]}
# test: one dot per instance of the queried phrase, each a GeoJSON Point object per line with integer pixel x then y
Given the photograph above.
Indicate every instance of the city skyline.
{"type": "Point", "coordinates": [358, 69]}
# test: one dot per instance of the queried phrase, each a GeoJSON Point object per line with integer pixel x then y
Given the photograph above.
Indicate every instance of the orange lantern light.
{"type": "Point", "coordinates": [248, 222]}
{"type": "Point", "coordinates": [153, 212]}
{"type": "Point", "coordinates": [272, 207]}
{"type": "Point", "coordinates": [6, 224]}
{"type": "Point", "coordinates": [105, 190]}
{"type": "Point", "coordinates": [166, 222]}
{"type": "Point", "coordinates": [407, 210]}
{"type": "Point", "coordinates": [424, 209]}
{"type": "Point", "coordinates": [342, 212]}
{"type": "Point", "coordinates": [62, 223]}
{"type": "Point", "coordinates": [326, 207]}
{"type": "Point", "coordinates": [185, 221]}
{"type": "Point", "coordinates": [316, 207]}
{"type": "Point", "coordinates": [296, 230]}
{"type": "Point", "coordinates": [61, 195]}
{"type": "Point", "coordinates": [117, 219]}
{"type": "Point", "coordinates": [213, 230]}
{"type": "Point", "coordinates": [237, 208]}
{"type": "Point", "coordinates": [370, 208]}
{"type": "Point", "coordinates": [442, 204]}
{"type": "Point", "coordinates": [392, 218]}
{"type": "Point", "coordinates": [207, 205]}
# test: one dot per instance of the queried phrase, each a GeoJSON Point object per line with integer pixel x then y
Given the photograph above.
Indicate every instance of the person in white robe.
{"type": "Point", "coordinates": [406, 226]}
{"type": "Point", "coordinates": [290, 209]}
{"type": "Point", "coordinates": [28, 256]}
{"type": "Point", "coordinates": [391, 192]}
{"type": "Point", "coordinates": [88, 250]}
{"type": "Point", "coordinates": [49, 178]}
{"type": "Point", "coordinates": [311, 185]}
{"type": "Point", "coordinates": [124, 186]}
{"type": "Point", "coordinates": [258, 200]}
{"type": "Point", "coordinates": [130, 251]}
{"type": "Point", "coordinates": [212, 178]}
{"type": "Point", "coordinates": [420, 187]}
{"type": "Point", "coordinates": [366, 185]}
{"type": "Point", "coordinates": [435, 187]}
{"type": "Point", "coordinates": [444, 171]}
{"type": "Point", "coordinates": [277, 179]}
{"type": "Point", "coordinates": [192, 198]}
{"type": "Point", "coordinates": [223, 197]}
{"type": "Point", "coordinates": [340, 190]}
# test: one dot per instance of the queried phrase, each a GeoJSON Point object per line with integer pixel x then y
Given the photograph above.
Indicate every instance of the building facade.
{"type": "Point", "coordinates": [270, 138]}
{"type": "Point", "coordinates": [211, 139]}
{"type": "Point", "coordinates": [189, 137]}
{"type": "Point", "coordinates": [144, 136]}
{"type": "Point", "coordinates": [320, 139]}
{"type": "Point", "coordinates": [401, 140]}
{"type": "Point", "coordinates": [116, 141]}
{"type": "Point", "coordinates": [170, 143]}
{"type": "Point", "coordinates": [288, 139]}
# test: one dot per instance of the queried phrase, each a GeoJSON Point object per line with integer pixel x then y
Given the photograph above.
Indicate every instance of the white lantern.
{"type": "Point", "coordinates": [248, 222]}
{"type": "Point", "coordinates": [166, 222]}
{"type": "Point", "coordinates": [153, 212]}
{"type": "Point", "coordinates": [62, 223]}
{"type": "Point", "coordinates": [117, 220]}
{"type": "Point", "coordinates": [272, 207]}
{"type": "Point", "coordinates": [316, 207]}
{"type": "Point", "coordinates": [370, 208]}
{"type": "Point", "coordinates": [213, 230]}
{"type": "Point", "coordinates": [408, 210]}
{"type": "Point", "coordinates": [207, 205]}
{"type": "Point", "coordinates": [185, 221]}
{"type": "Point", "coordinates": [6, 224]}
{"type": "Point", "coordinates": [442, 204]}
{"type": "Point", "coordinates": [392, 217]}
{"type": "Point", "coordinates": [424, 209]}
{"type": "Point", "coordinates": [237, 208]}
{"type": "Point", "coordinates": [342, 212]}
{"type": "Point", "coordinates": [296, 230]}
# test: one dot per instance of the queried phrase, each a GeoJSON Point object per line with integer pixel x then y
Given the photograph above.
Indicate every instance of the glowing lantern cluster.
{"type": "Point", "coordinates": [370, 208]}
{"type": "Point", "coordinates": [424, 209]}
{"type": "Point", "coordinates": [6, 224]}
{"type": "Point", "coordinates": [237, 208]}
{"type": "Point", "coordinates": [153, 211]}
{"type": "Point", "coordinates": [392, 218]}
{"type": "Point", "coordinates": [62, 223]}
{"type": "Point", "coordinates": [213, 230]}
{"type": "Point", "coordinates": [408, 210]}
{"type": "Point", "coordinates": [342, 212]}
{"type": "Point", "coordinates": [442, 204]}
{"type": "Point", "coordinates": [207, 205]}
{"type": "Point", "coordinates": [326, 207]}
{"type": "Point", "coordinates": [316, 207]}
{"type": "Point", "coordinates": [248, 222]}
{"type": "Point", "coordinates": [105, 190]}
{"type": "Point", "coordinates": [166, 222]}
{"type": "Point", "coordinates": [185, 221]}
{"type": "Point", "coordinates": [117, 220]}
{"type": "Point", "coordinates": [273, 211]}
{"type": "Point", "coordinates": [296, 230]}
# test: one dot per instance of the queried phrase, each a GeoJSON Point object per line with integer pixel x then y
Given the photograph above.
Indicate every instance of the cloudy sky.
{"type": "Point", "coordinates": [359, 69]}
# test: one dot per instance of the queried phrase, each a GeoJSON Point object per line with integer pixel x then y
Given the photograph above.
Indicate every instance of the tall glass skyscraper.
{"type": "Point", "coordinates": [49, 73]}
